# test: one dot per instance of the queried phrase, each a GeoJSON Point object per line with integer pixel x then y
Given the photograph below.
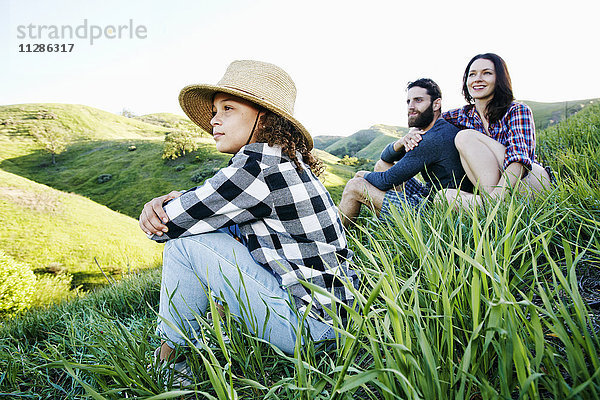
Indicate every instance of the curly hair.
{"type": "Point", "coordinates": [276, 130]}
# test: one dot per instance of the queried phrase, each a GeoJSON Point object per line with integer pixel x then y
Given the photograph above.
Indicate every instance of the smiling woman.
{"type": "Point", "coordinates": [497, 140]}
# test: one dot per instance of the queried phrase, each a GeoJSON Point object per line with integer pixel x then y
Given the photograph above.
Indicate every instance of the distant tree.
{"type": "Point", "coordinates": [53, 139]}
{"type": "Point", "coordinates": [348, 160]}
{"type": "Point", "coordinates": [177, 143]}
{"type": "Point", "coordinates": [127, 113]}
{"type": "Point", "coordinates": [358, 163]}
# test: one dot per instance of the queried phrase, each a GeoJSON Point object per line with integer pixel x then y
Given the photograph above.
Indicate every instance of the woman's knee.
{"type": "Point", "coordinates": [188, 253]}
{"type": "Point", "coordinates": [464, 138]}
{"type": "Point", "coordinates": [171, 251]}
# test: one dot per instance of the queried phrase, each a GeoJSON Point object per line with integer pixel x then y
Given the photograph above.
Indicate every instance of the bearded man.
{"type": "Point", "coordinates": [428, 149]}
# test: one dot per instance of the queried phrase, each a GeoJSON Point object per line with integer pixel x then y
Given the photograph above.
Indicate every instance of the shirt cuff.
{"type": "Point", "coordinates": [526, 162]}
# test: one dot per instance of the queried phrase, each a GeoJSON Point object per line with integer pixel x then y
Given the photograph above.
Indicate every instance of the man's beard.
{"type": "Point", "coordinates": [423, 119]}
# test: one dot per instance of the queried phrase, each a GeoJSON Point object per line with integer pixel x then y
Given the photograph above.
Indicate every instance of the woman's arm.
{"type": "Point", "coordinates": [236, 194]}
{"type": "Point", "coordinates": [520, 138]}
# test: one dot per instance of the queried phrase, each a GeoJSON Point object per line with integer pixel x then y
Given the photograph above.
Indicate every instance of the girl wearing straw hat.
{"type": "Point", "coordinates": [262, 225]}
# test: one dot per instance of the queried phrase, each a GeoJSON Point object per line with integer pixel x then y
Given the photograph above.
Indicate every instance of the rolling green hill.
{"type": "Point", "coordinates": [78, 122]}
{"type": "Point", "coordinates": [135, 176]}
{"type": "Point", "coordinates": [547, 114]}
{"type": "Point", "coordinates": [74, 123]}
{"type": "Point", "coordinates": [366, 143]}
{"type": "Point", "coordinates": [324, 141]}
{"type": "Point", "coordinates": [57, 232]}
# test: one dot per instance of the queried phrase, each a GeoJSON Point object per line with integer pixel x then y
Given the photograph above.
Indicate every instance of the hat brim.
{"type": "Point", "coordinates": [197, 103]}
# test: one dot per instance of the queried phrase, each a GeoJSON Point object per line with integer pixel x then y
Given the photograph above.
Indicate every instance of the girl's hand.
{"type": "Point", "coordinates": [153, 216]}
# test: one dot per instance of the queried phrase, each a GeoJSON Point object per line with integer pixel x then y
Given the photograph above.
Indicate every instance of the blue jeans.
{"type": "Point", "coordinates": [193, 263]}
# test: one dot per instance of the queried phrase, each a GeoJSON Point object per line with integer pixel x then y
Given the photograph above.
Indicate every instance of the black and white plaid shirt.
{"type": "Point", "coordinates": [286, 217]}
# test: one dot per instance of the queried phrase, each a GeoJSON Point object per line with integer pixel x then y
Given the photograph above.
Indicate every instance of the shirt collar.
{"type": "Point", "coordinates": [274, 153]}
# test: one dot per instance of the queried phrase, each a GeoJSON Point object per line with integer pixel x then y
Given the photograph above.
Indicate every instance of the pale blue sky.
{"type": "Point", "coordinates": [350, 60]}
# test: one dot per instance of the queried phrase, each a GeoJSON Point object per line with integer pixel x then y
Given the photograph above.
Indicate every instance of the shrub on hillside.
{"type": "Point", "coordinates": [348, 160]}
{"type": "Point", "coordinates": [17, 286]}
{"type": "Point", "coordinates": [104, 178]}
{"type": "Point", "coordinates": [54, 140]}
{"type": "Point", "coordinates": [357, 163]}
{"type": "Point", "coordinates": [199, 177]}
{"type": "Point", "coordinates": [206, 171]}
{"type": "Point", "coordinates": [127, 113]}
{"type": "Point", "coordinates": [52, 289]}
{"type": "Point", "coordinates": [177, 143]}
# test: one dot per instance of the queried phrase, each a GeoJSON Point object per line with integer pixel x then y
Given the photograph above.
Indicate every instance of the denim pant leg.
{"type": "Point", "coordinates": [192, 264]}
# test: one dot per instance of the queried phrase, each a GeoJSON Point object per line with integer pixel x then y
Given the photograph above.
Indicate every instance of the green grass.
{"type": "Point", "coordinates": [454, 304]}
{"type": "Point", "coordinates": [54, 231]}
{"type": "Point", "coordinates": [70, 330]}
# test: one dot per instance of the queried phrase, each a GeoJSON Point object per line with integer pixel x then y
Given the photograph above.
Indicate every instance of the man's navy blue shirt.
{"type": "Point", "coordinates": [436, 158]}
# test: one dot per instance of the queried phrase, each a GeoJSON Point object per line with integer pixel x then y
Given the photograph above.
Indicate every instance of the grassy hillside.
{"type": "Point", "coordinates": [171, 121]}
{"type": "Point", "coordinates": [136, 176]}
{"type": "Point", "coordinates": [57, 232]}
{"type": "Point", "coordinates": [78, 122]}
{"type": "Point", "coordinates": [500, 303]}
{"type": "Point", "coordinates": [366, 143]}
{"type": "Point", "coordinates": [75, 123]}
{"type": "Point", "coordinates": [324, 141]}
{"type": "Point", "coordinates": [547, 114]}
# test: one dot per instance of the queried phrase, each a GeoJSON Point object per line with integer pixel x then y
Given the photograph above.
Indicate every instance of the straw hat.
{"type": "Point", "coordinates": [259, 82]}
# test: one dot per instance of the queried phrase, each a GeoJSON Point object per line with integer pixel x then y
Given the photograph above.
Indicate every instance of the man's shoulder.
{"type": "Point", "coordinates": [444, 127]}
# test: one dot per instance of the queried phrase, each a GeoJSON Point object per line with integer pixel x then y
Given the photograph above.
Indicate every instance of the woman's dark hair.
{"type": "Point", "coordinates": [276, 130]}
{"type": "Point", "coordinates": [503, 93]}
